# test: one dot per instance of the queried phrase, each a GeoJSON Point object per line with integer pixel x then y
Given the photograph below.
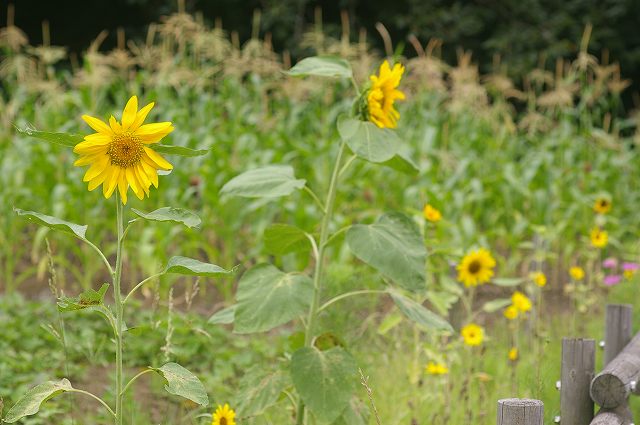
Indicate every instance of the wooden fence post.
{"type": "Point", "coordinates": [618, 331]}
{"type": "Point", "coordinates": [520, 411]}
{"type": "Point", "coordinates": [578, 368]}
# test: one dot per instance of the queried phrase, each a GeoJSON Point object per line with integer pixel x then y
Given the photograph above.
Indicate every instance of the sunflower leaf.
{"type": "Point", "coordinates": [224, 316]}
{"type": "Point", "coordinates": [176, 215]}
{"type": "Point", "coordinates": [89, 298]}
{"type": "Point", "coordinates": [259, 389]}
{"type": "Point", "coordinates": [368, 141]}
{"type": "Point", "coordinates": [280, 239]}
{"type": "Point", "coordinates": [62, 139]}
{"type": "Point", "coordinates": [322, 66]}
{"type": "Point", "coordinates": [495, 305]}
{"type": "Point", "coordinates": [271, 181]}
{"type": "Point", "coordinates": [31, 402]}
{"type": "Point", "coordinates": [183, 383]}
{"type": "Point", "coordinates": [54, 223]}
{"type": "Point", "coordinates": [193, 267]}
{"type": "Point", "coordinates": [419, 313]}
{"type": "Point", "coordinates": [178, 150]}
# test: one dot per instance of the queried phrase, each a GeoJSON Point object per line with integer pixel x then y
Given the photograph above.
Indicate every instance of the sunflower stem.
{"type": "Point", "coordinates": [119, 305]}
{"type": "Point", "coordinates": [319, 266]}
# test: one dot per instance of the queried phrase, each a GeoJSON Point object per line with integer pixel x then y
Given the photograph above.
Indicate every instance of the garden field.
{"type": "Point", "coordinates": [357, 237]}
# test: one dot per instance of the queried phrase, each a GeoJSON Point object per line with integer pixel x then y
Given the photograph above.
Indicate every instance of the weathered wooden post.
{"type": "Point", "coordinates": [618, 416]}
{"type": "Point", "coordinates": [618, 330]}
{"type": "Point", "coordinates": [578, 368]}
{"type": "Point", "coordinates": [520, 411]}
{"type": "Point", "coordinates": [611, 387]}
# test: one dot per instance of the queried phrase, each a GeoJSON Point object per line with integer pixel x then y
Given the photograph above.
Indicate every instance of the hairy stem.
{"type": "Point", "coordinates": [117, 293]}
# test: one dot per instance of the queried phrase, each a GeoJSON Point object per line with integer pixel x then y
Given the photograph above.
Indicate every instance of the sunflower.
{"type": "Point", "coordinates": [224, 415]}
{"type": "Point", "coordinates": [602, 206]}
{"type": "Point", "coordinates": [599, 237]}
{"type": "Point", "coordinates": [539, 278]}
{"type": "Point", "coordinates": [382, 94]}
{"type": "Point", "coordinates": [513, 354]}
{"type": "Point", "coordinates": [476, 268]}
{"type": "Point", "coordinates": [576, 272]}
{"type": "Point", "coordinates": [436, 368]}
{"type": "Point", "coordinates": [472, 334]}
{"type": "Point", "coordinates": [511, 312]}
{"type": "Point", "coordinates": [521, 301]}
{"type": "Point", "coordinates": [431, 214]}
{"type": "Point", "coordinates": [119, 155]}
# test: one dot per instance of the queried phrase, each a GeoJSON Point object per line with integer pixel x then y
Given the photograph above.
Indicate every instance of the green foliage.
{"type": "Point", "coordinates": [183, 383]}
{"type": "Point", "coordinates": [192, 267]}
{"type": "Point", "coordinates": [419, 314]}
{"type": "Point", "coordinates": [62, 139]}
{"type": "Point", "coordinates": [281, 239]}
{"type": "Point", "coordinates": [54, 223]}
{"type": "Point", "coordinates": [268, 297]}
{"type": "Point", "coordinates": [325, 380]}
{"type": "Point", "coordinates": [87, 299]}
{"type": "Point", "coordinates": [259, 389]}
{"type": "Point", "coordinates": [175, 215]}
{"type": "Point", "coordinates": [322, 66]}
{"type": "Point", "coordinates": [368, 141]}
{"type": "Point", "coordinates": [267, 182]}
{"type": "Point", "coordinates": [31, 402]}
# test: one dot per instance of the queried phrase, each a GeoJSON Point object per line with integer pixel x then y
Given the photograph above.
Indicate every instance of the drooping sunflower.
{"type": "Point", "coordinates": [382, 95]}
{"type": "Point", "coordinates": [472, 334]}
{"type": "Point", "coordinates": [119, 155]}
{"type": "Point", "coordinates": [599, 237]}
{"type": "Point", "coordinates": [476, 268]}
{"type": "Point", "coordinates": [224, 415]}
{"type": "Point", "coordinates": [602, 206]}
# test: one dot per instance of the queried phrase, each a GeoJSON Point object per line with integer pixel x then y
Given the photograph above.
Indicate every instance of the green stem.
{"type": "Point", "coordinates": [95, 397]}
{"type": "Point", "coordinates": [135, 288]}
{"type": "Point", "coordinates": [132, 380]}
{"type": "Point", "coordinates": [350, 294]}
{"type": "Point", "coordinates": [317, 275]}
{"type": "Point", "coordinates": [117, 293]}
{"type": "Point", "coordinates": [99, 252]}
{"type": "Point", "coordinates": [315, 198]}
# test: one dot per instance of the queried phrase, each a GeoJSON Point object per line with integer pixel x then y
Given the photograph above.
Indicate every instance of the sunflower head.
{"type": "Point", "coordinates": [511, 312]}
{"type": "Point", "coordinates": [521, 302]}
{"type": "Point", "coordinates": [433, 368]}
{"type": "Point", "coordinates": [599, 237]}
{"type": "Point", "coordinates": [472, 334]}
{"type": "Point", "coordinates": [431, 214]}
{"type": "Point", "coordinates": [224, 415]}
{"type": "Point", "coordinates": [382, 94]}
{"type": "Point", "coordinates": [513, 354]}
{"type": "Point", "coordinates": [602, 206]}
{"type": "Point", "coordinates": [539, 279]}
{"type": "Point", "coordinates": [476, 268]}
{"type": "Point", "coordinates": [119, 154]}
{"type": "Point", "coordinates": [576, 273]}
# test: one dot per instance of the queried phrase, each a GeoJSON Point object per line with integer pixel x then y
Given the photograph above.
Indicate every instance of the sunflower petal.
{"type": "Point", "coordinates": [97, 181]}
{"type": "Point", "coordinates": [157, 159]}
{"type": "Point", "coordinates": [123, 186]}
{"type": "Point", "coordinates": [115, 126]}
{"type": "Point", "coordinates": [111, 183]}
{"type": "Point", "coordinates": [97, 124]}
{"type": "Point", "coordinates": [153, 133]}
{"type": "Point", "coordinates": [150, 172]}
{"type": "Point", "coordinates": [141, 116]}
{"type": "Point", "coordinates": [96, 168]}
{"type": "Point", "coordinates": [129, 113]}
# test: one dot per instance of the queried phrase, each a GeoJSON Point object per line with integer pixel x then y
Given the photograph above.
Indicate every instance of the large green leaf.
{"type": "Point", "coordinates": [31, 402]}
{"type": "Point", "coordinates": [258, 390]}
{"type": "Point", "coordinates": [193, 267]}
{"type": "Point", "coordinates": [322, 66]}
{"type": "Point", "coordinates": [267, 182]}
{"type": "Point", "coordinates": [356, 413]}
{"type": "Point", "coordinates": [178, 150]}
{"type": "Point", "coordinates": [176, 215]}
{"type": "Point", "coordinates": [63, 139]}
{"type": "Point", "coordinates": [495, 305]}
{"type": "Point", "coordinates": [419, 314]}
{"type": "Point", "coordinates": [367, 140]}
{"type": "Point", "coordinates": [403, 163]}
{"type": "Point", "coordinates": [89, 298]}
{"type": "Point", "coordinates": [280, 239]}
{"type": "Point", "coordinates": [224, 316]}
{"type": "Point", "coordinates": [268, 297]}
{"type": "Point", "coordinates": [325, 380]}
{"type": "Point", "coordinates": [183, 383]}
{"type": "Point", "coordinates": [53, 222]}
{"type": "Point", "coordinates": [393, 246]}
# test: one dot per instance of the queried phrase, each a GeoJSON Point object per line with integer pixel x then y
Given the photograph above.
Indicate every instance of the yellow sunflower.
{"type": "Point", "coordinates": [513, 354]}
{"type": "Point", "coordinates": [521, 301]}
{"type": "Point", "coordinates": [599, 237]}
{"type": "Point", "coordinates": [431, 214]}
{"type": "Point", "coordinates": [224, 415]}
{"type": "Point", "coordinates": [602, 206]}
{"type": "Point", "coordinates": [539, 278]}
{"type": "Point", "coordinates": [576, 272]}
{"type": "Point", "coordinates": [476, 268]}
{"type": "Point", "coordinates": [383, 93]}
{"type": "Point", "coordinates": [119, 155]}
{"type": "Point", "coordinates": [472, 334]}
{"type": "Point", "coordinates": [436, 368]}
{"type": "Point", "coordinates": [511, 312]}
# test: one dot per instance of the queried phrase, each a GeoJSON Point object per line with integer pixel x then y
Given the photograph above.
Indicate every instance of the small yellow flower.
{"type": "Point", "coordinates": [513, 354]}
{"type": "Point", "coordinates": [476, 268]}
{"type": "Point", "coordinates": [383, 93]}
{"type": "Point", "coordinates": [577, 273]}
{"type": "Point", "coordinates": [602, 206]}
{"type": "Point", "coordinates": [119, 154]}
{"type": "Point", "coordinates": [599, 237]}
{"type": "Point", "coordinates": [431, 214]}
{"type": "Point", "coordinates": [224, 415]}
{"type": "Point", "coordinates": [628, 274]}
{"type": "Point", "coordinates": [436, 368]}
{"type": "Point", "coordinates": [511, 312]}
{"type": "Point", "coordinates": [472, 334]}
{"type": "Point", "coordinates": [539, 278]}
{"type": "Point", "coordinates": [521, 301]}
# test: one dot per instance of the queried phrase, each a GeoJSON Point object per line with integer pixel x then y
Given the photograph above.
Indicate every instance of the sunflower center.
{"type": "Point", "coordinates": [223, 421]}
{"type": "Point", "coordinates": [474, 267]}
{"type": "Point", "coordinates": [125, 150]}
